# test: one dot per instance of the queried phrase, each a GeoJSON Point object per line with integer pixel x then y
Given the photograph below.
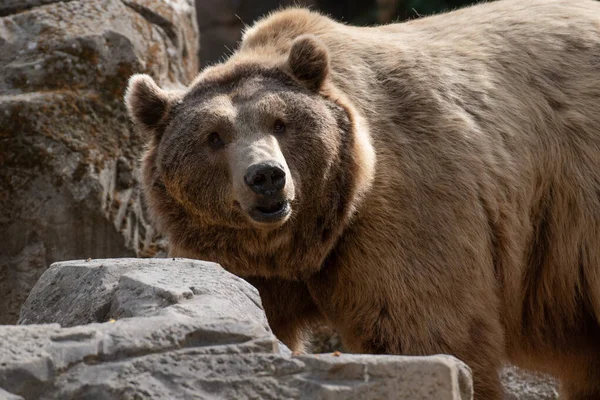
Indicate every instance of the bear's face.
{"type": "Point", "coordinates": [249, 147]}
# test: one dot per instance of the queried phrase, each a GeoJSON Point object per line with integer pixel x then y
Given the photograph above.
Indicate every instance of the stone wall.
{"type": "Point", "coordinates": [68, 176]}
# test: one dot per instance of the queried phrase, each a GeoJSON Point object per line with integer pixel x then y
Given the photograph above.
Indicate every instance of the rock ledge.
{"type": "Point", "coordinates": [183, 329]}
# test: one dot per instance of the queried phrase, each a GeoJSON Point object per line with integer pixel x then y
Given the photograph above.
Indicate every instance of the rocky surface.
{"type": "Point", "coordinates": [524, 385]}
{"type": "Point", "coordinates": [68, 176]}
{"type": "Point", "coordinates": [75, 293]}
{"type": "Point", "coordinates": [518, 384]}
{"type": "Point", "coordinates": [183, 329]}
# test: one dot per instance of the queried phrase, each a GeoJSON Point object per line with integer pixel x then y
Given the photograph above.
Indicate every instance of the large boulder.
{"type": "Point", "coordinates": [68, 173]}
{"type": "Point", "coordinates": [75, 293]}
{"type": "Point", "coordinates": [183, 329]}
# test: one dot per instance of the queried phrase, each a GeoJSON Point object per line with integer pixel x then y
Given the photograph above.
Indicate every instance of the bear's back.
{"type": "Point", "coordinates": [538, 60]}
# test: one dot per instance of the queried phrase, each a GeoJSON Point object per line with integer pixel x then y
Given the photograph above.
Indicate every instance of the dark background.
{"type": "Point", "coordinates": [221, 21]}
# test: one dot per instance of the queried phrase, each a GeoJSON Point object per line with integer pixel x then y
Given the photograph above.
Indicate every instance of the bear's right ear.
{"type": "Point", "coordinates": [147, 104]}
{"type": "Point", "coordinates": [309, 61]}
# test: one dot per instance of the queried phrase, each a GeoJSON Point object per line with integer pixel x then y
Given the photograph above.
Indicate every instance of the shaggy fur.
{"type": "Point", "coordinates": [445, 176]}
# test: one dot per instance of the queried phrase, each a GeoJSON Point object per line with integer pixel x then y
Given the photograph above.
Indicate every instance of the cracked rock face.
{"type": "Point", "coordinates": [183, 329]}
{"type": "Point", "coordinates": [77, 293]}
{"type": "Point", "coordinates": [68, 155]}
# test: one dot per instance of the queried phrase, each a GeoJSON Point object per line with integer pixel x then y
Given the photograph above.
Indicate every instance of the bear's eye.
{"type": "Point", "coordinates": [279, 126]}
{"type": "Point", "coordinates": [215, 141]}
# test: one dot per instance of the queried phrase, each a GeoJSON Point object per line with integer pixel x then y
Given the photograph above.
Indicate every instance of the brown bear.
{"type": "Point", "coordinates": [424, 187]}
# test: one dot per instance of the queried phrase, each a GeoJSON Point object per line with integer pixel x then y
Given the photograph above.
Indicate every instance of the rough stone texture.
{"type": "Point", "coordinates": [68, 173]}
{"type": "Point", "coordinates": [82, 292]}
{"type": "Point", "coordinates": [222, 21]}
{"type": "Point", "coordinates": [518, 384]}
{"type": "Point", "coordinates": [4, 395]}
{"type": "Point", "coordinates": [523, 385]}
{"type": "Point", "coordinates": [186, 330]}
{"type": "Point", "coordinates": [79, 293]}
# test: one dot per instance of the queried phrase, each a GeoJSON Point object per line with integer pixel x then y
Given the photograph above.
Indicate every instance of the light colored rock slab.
{"type": "Point", "coordinates": [183, 329]}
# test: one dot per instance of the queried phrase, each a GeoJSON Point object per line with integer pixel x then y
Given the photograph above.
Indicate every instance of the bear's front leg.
{"type": "Point", "coordinates": [380, 305]}
{"type": "Point", "coordinates": [290, 310]}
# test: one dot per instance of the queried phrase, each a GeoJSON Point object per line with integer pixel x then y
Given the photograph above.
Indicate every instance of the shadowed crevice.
{"type": "Point", "coordinates": [11, 7]}
{"type": "Point", "coordinates": [154, 19]}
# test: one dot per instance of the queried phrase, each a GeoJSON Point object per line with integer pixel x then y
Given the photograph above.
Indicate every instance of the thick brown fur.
{"type": "Point", "coordinates": [446, 182]}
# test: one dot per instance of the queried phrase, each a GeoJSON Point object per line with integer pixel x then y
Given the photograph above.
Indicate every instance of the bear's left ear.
{"type": "Point", "coordinates": [309, 61]}
{"type": "Point", "coordinates": [147, 104]}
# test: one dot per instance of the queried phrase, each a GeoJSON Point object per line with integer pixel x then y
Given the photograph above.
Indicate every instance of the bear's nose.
{"type": "Point", "coordinates": [266, 178]}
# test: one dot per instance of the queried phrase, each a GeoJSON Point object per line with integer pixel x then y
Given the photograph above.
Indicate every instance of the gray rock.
{"type": "Point", "coordinates": [518, 384]}
{"type": "Point", "coordinates": [8, 7]}
{"type": "Point", "coordinates": [82, 292]}
{"type": "Point", "coordinates": [68, 155]}
{"type": "Point", "coordinates": [525, 385]}
{"type": "Point", "coordinates": [4, 395]}
{"type": "Point", "coordinates": [186, 330]}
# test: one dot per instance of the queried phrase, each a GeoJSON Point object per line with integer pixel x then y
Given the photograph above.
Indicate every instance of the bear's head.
{"type": "Point", "coordinates": [253, 145]}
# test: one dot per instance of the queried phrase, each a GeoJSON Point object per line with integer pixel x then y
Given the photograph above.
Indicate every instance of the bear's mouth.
{"type": "Point", "coordinates": [271, 211]}
{"type": "Point", "coordinates": [271, 208]}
